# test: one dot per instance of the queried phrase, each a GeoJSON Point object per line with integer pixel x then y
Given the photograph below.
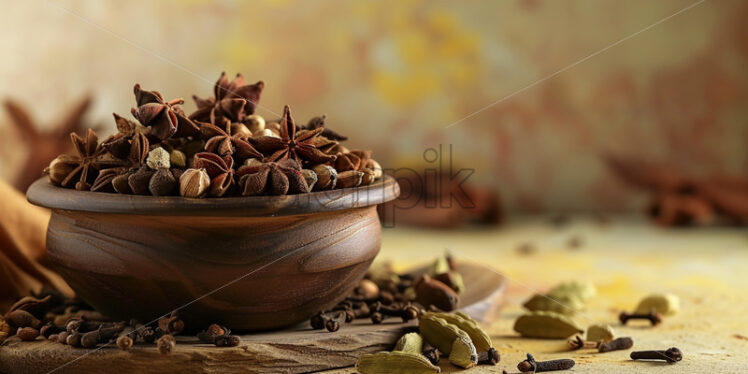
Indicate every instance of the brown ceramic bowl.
{"type": "Point", "coordinates": [251, 263]}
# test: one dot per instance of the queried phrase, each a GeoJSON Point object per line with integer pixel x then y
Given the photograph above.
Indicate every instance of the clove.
{"type": "Point", "coordinates": [616, 345]}
{"type": "Point", "coordinates": [489, 357]}
{"type": "Point", "coordinates": [333, 324]}
{"type": "Point", "coordinates": [578, 343]}
{"type": "Point", "coordinates": [653, 317]}
{"type": "Point", "coordinates": [166, 344]}
{"type": "Point", "coordinates": [530, 364]}
{"type": "Point", "coordinates": [431, 353]}
{"type": "Point", "coordinates": [671, 355]}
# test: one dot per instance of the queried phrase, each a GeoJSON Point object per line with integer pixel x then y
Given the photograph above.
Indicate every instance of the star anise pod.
{"type": "Point", "coordinates": [103, 182]}
{"type": "Point", "coordinates": [273, 178]}
{"type": "Point", "coordinates": [82, 168]}
{"type": "Point", "coordinates": [221, 142]}
{"type": "Point", "coordinates": [220, 170]}
{"type": "Point", "coordinates": [289, 145]}
{"type": "Point", "coordinates": [317, 122]}
{"type": "Point", "coordinates": [165, 119]}
{"type": "Point", "coordinates": [232, 100]}
{"type": "Point", "coordinates": [352, 160]}
{"type": "Point", "coordinates": [131, 142]}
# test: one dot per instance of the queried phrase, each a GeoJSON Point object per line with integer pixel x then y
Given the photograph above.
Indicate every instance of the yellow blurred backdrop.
{"type": "Point", "coordinates": [392, 75]}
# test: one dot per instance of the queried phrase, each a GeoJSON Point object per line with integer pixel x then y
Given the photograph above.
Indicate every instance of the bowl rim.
{"type": "Point", "coordinates": [43, 193]}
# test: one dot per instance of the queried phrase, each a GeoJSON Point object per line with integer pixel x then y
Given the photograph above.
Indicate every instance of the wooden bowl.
{"type": "Point", "coordinates": [250, 263]}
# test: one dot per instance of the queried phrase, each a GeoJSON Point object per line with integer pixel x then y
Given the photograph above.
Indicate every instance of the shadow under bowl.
{"type": "Point", "coordinates": [250, 263]}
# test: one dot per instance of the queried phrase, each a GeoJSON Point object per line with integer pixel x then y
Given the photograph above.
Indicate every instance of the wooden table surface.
{"type": "Point", "coordinates": [626, 258]}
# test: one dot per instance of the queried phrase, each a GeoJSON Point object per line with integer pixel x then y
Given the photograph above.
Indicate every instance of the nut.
{"type": "Point", "coordinates": [327, 177]}
{"type": "Point", "coordinates": [177, 158]}
{"type": "Point", "coordinates": [158, 158]}
{"type": "Point", "coordinates": [255, 123]}
{"type": "Point", "coordinates": [194, 183]}
{"type": "Point", "coordinates": [430, 292]}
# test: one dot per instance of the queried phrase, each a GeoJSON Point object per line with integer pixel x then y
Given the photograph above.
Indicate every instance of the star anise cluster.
{"type": "Point", "coordinates": [222, 149]}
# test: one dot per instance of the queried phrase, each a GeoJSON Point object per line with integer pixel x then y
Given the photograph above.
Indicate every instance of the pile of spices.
{"type": "Point", "coordinates": [222, 149]}
{"type": "Point", "coordinates": [384, 294]}
{"type": "Point", "coordinates": [72, 322]}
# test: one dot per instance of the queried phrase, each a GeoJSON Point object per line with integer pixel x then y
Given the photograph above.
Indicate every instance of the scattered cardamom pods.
{"type": "Point", "coordinates": [449, 339]}
{"type": "Point", "coordinates": [411, 342]}
{"type": "Point", "coordinates": [395, 363]}
{"type": "Point", "coordinates": [665, 304]}
{"type": "Point", "coordinates": [547, 325]}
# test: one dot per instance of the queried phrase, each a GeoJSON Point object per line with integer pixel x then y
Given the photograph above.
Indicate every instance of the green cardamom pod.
{"type": "Point", "coordinates": [480, 338]}
{"type": "Point", "coordinates": [583, 290]}
{"type": "Point", "coordinates": [559, 303]}
{"type": "Point", "coordinates": [665, 304]}
{"type": "Point", "coordinates": [395, 362]}
{"type": "Point", "coordinates": [547, 325]}
{"type": "Point", "coordinates": [411, 342]}
{"type": "Point", "coordinates": [450, 340]}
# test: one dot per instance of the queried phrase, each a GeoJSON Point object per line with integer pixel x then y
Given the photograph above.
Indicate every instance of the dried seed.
{"type": "Point", "coordinates": [583, 290]}
{"type": "Point", "coordinates": [616, 345]}
{"type": "Point", "coordinates": [22, 318]}
{"type": "Point", "coordinates": [349, 178]}
{"type": "Point", "coordinates": [310, 177]}
{"type": "Point", "coordinates": [327, 177]}
{"type": "Point", "coordinates": [449, 339]}
{"type": "Point", "coordinates": [228, 341]}
{"type": "Point", "coordinates": [158, 158]}
{"type": "Point", "coordinates": [394, 363]}
{"type": "Point", "coordinates": [411, 342]}
{"type": "Point", "coordinates": [194, 183]}
{"type": "Point", "coordinates": [433, 292]}
{"type": "Point", "coordinates": [177, 158]}
{"type": "Point", "coordinates": [665, 304]}
{"type": "Point", "coordinates": [162, 183]}
{"type": "Point", "coordinates": [27, 334]}
{"type": "Point", "coordinates": [480, 338]}
{"type": "Point", "coordinates": [600, 331]}
{"type": "Point", "coordinates": [166, 344]}
{"type": "Point", "coordinates": [452, 279]}
{"type": "Point", "coordinates": [548, 325]}
{"type": "Point", "coordinates": [564, 304]}
{"type": "Point", "coordinates": [255, 123]}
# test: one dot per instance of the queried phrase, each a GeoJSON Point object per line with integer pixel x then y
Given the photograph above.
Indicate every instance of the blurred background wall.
{"type": "Point", "coordinates": [392, 75]}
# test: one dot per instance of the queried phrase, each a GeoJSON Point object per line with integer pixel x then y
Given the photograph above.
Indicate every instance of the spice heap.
{"type": "Point", "coordinates": [384, 294]}
{"type": "Point", "coordinates": [222, 149]}
{"type": "Point", "coordinates": [72, 322]}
